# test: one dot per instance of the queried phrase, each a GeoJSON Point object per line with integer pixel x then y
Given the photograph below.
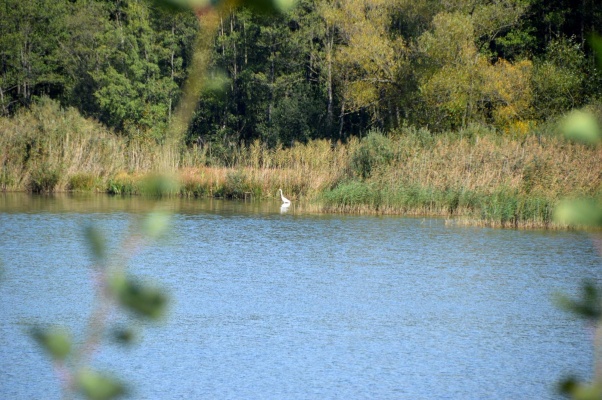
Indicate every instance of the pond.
{"type": "Point", "coordinates": [270, 304]}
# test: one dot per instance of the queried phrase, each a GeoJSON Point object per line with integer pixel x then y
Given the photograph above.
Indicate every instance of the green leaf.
{"type": "Point", "coordinates": [188, 3]}
{"type": "Point", "coordinates": [145, 301]}
{"type": "Point", "coordinates": [570, 387]}
{"type": "Point", "coordinates": [567, 385]}
{"type": "Point", "coordinates": [184, 4]}
{"type": "Point", "coordinates": [582, 127]}
{"type": "Point", "coordinates": [159, 185]}
{"type": "Point", "coordinates": [156, 224]}
{"type": "Point", "coordinates": [217, 82]}
{"type": "Point", "coordinates": [123, 335]}
{"type": "Point", "coordinates": [97, 386]}
{"type": "Point", "coordinates": [588, 307]}
{"type": "Point", "coordinates": [268, 6]}
{"type": "Point", "coordinates": [56, 341]}
{"type": "Point", "coordinates": [284, 5]}
{"type": "Point", "coordinates": [256, 5]}
{"type": "Point", "coordinates": [97, 242]}
{"type": "Point", "coordinates": [579, 212]}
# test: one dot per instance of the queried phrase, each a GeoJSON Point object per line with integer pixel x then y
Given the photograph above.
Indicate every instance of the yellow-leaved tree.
{"type": "Point", "coordinates": [461, 83]}
{"type": "Point", "coordinates": [367, 61]}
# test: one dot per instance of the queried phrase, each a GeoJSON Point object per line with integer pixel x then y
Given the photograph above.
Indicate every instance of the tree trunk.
{"type": "Point", "coordinates": [342, 121]}
{"type": "Point", "coordinates": [330, 112]}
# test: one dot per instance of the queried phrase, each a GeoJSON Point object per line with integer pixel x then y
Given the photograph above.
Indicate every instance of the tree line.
{"type": "Point", "coordinates": [326, 69]}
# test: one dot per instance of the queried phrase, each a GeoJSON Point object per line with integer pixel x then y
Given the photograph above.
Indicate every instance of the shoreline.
{"type": "Point", "coordinates": [462, 217]}
{"type": "Point", "coordinates": [488, 177]}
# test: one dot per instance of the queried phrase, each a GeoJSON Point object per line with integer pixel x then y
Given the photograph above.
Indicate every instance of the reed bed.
{"type": "Point", "coordinates": [475, 175]}
{"type": "Point", "coordinates": [52, 149]}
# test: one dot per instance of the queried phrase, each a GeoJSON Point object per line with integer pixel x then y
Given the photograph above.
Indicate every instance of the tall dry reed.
{"type": "Point", "coordinates": [49, 148]}
{"type": "Point", "coordinates": [480, 174]}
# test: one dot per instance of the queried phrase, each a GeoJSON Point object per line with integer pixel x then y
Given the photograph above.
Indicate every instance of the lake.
{"type": "Point", "coordinates": [288, 305]}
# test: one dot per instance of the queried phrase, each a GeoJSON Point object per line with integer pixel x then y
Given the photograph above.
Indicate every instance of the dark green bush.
{"type": "Point", "coordinates": [82, 182]}
{"type": "Point", "coordinates": [375, 150]}
{"type": "Point", "coordinates": [43, 180]}
{"type": "Point", "coordinates": [122, 185]}
{"type": "Point", "coordinates": [351, 194]}
{"type": "Point", "coordinates": [235, 186]}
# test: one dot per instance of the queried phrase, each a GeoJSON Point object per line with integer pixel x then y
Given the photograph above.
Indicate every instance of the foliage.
{"type": "Point", "coordinates": [114, 287]}
{"type": "Point", "coordinates": [235, 186]}
{"type": "Point", "coordinates": [30, 50]}
{"type": "Point", "coordinates": [583, 127]}
{"type": "Point", "coordinates": [350, 196]}
{"type": "Point", "coordinates": [141, 65]}
{"type": "Point", "coordinates": [319, 69]}
{"type": "Point", "coordinates": [43, 179]}
{"type": "Point", "coordinates": [558, 78]}
{"type": "Point", "coordinates": [374, 151]}
{"type": "Point", "coordinates": [43, 147]}
{"type": "Point", "coordinates": [123, 62]}
{"type": "Point", "coordinates": [462, 86]}
{"type": "Point", "coordinates": [84, 182]}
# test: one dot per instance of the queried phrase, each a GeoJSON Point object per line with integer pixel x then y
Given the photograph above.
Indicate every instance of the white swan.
{"type": "Point", "coordinates": [285, 201]}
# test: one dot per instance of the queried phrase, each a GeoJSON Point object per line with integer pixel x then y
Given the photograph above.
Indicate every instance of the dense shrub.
{"type": "Point", "coordinates": [374, 150]}
{"type": "Point", "coordinates": [83, 182]}
{"type": "Point", "coordinates": [43, 180]}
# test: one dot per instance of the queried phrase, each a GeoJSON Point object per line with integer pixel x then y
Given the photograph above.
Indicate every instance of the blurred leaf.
{"type": "Point", "coordinates": [186, 3]}
{"type": "Point", "coordinates": [56, 341]}
{"type": "Point", "coordinates": [567, 385]}
{"type": "Point", "coordinates": [581, 127]}
{"type": "Point", "coordinates": [97, 242]}
{"type": "Point", "coordinates": [156, 224]}
{"type": "Point", "coordinates": [268, 6]}
{"type": "Point", "coordinates": [585, 212]}
{"type": "Point", "coordinates": [146, 301]}
{"type": "Point", "coordinates": [580, 391]}
{"type": "Point", "coordinates": [264, 6]}
{"type": "Point", "coordinates": [123, 335]}
{"type": "Point", "coordinates": [178, 5]}
{"type": "Point", "coordinates": [588, 306]}
{"type": "Point", "coordinates": [284, 5]}
{"type": "Point", "coordinates": [159, 185]}
{"type": "Point", "coordinates": [217, 82]}
{"type": "Point", "coordinates": [97, 386]}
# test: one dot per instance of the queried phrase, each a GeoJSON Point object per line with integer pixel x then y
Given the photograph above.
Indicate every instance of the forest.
{"type": "Point", "coordinates": [397, 72]}
{"type": "Point", "coordinates": [325, 69]}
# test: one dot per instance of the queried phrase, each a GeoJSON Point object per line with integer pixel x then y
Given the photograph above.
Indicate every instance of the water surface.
{"type": "Point", "coordinates": [287, 305]}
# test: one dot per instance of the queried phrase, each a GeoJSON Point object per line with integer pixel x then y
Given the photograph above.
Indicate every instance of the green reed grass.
{"type": "Point", "coordinates": [83, 182]}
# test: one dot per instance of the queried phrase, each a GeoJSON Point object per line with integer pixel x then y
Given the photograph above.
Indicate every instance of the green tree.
{"type": "Point", "coordinates": [558, 78]}
{"type": "Point", "coordinates": [368, 61]}
{"type": "Point", "coordinates": [272, 90]}
{"type": "Point", "coordinates": [139, 68]}
{"type": "Point", "coordinates": [31, 34]}
{"type": "Point", "coordinates": [459, 84]}
{"type": "Point", "coordinates": [86, 23]}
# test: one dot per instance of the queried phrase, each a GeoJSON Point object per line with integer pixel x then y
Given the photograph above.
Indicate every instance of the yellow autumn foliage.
{"type": "Point", "coordinates": [370, 59]}
{"type": "Point", "coordinates": [509, 88]}
{"type": "Point", "coordinates": [464, 85]}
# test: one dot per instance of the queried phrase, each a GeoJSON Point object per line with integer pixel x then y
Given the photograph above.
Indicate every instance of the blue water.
{"type": "Point", "coordinates": [296, 306]}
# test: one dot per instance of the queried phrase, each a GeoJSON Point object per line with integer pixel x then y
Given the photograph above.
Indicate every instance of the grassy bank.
{"type": "Point", "coordinates": [479, 175]}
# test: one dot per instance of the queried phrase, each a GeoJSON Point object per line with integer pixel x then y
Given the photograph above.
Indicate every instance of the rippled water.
{"type": "Point", "coordinates": [275, 306]}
